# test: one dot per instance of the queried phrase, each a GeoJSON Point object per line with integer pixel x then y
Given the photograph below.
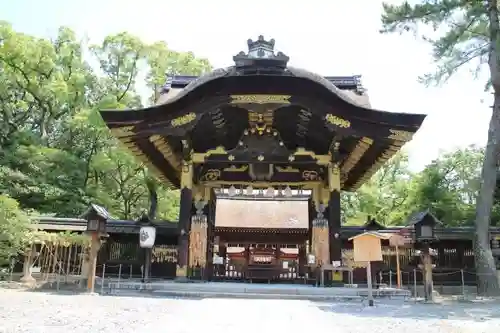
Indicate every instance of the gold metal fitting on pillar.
{"type": "Point", "coordinates": [187, 174]}
{"type": "Point", "coordinates": [334, 177]}
{"type": "Point", "coordinates": [320, 242]}
{"type": "Point", "coordinates": [198, 236]}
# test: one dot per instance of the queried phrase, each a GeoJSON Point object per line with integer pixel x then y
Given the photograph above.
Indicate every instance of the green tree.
{"type": "Point", "coordinates": [14, 229]}
{"type": "Point", "coordinates": [163, 61]}
{"type": "Point", "coordinates": [57, 155]}
{"type": "Point", "coordinates": [449, 186]}
{"type": "Point", "coordinates": [383, 196]}
{"type": "Point", "coordinates": [469, 35]}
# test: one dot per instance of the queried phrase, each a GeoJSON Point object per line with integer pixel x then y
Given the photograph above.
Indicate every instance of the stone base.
{"type": "Point", "coordinates": [27, 279]}
{"type": "Point", "coordinates": [92, 293]}
{"type": "Point", "coordinates": [182, 279]}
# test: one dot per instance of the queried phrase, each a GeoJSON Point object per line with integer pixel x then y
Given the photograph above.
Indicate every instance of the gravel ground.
{"type": "Point", "coordinates": [23, 311]}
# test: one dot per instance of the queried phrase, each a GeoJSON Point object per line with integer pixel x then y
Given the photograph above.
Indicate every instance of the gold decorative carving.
{"type": "Point", "coordinates": [187, 175]}
{"type": "Point", "coordinates": [356, 154]}
{"type": "Point", "coordinates": [139, 154]}
{"type": "Point", "coordinates": [200, 157]}
{"type": "Point", "coordinates": [163, 146]}
{"type": "Point", "coordinates": [120, 132]}
{"type": "Point", "coordinates": [234, 168]}
{"type": "Point", "coordinates": [230, 157]}
{"type": "Point", "coordinates": [337, 121]}
{"type": "Point", "coordinates": [198, 241]}
{"type": "Point", "coordinates": [183, 120]}
{"type": "Point", "coordinates": [219, 150]}
{"type": "Point", "coordinates": [260, 99]}
{"type": "Point", "coordinates": [287, 169]}
{"type": "Point", "coordinates": [211, 175]}
{"type": "Point", "coordinates": [310, 175]}
{"type": "Point", "coordinates": [181, 271]}
{"type": "Point", "coordinates": [124, 134]}
{"type": "Point", "coordinates": [260, 158]}
{"type": "Point", "coordinates": [400, 135]}
{"type": "Point", "coordinates": [316, 196]}
{"type": "Point", "coordinates": [309, 185]}
{"type": "Point", "coordinates": [386, 155]}
{"type": "Point", "coordinates": [334, 177]}
{"type": "Point", "coordinates": [320, 245]}
{"type": "Point", "coordinates": [325, 195]}
{"type": "Point", "coordinates": [320, 159]}
{"type": "Point", "coordinates": [262, 122]}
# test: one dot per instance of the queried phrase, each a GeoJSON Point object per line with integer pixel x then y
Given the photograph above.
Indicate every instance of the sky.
{"type": "Point", "coordinates": [327, 37]}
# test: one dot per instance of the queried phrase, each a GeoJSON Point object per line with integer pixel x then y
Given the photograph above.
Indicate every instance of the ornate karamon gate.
{"type": "Point", "coordinates": [261, 125]}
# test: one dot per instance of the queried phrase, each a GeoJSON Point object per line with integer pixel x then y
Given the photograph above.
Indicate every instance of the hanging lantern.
{"type": "Point", "coordinates": [232, 191]}
{"type": "Point", "coordinates": [270, 192]}
{"type": "Point", "coordinates": [249, 190]}
{"type": "Point", "coordinates": [147, 236]}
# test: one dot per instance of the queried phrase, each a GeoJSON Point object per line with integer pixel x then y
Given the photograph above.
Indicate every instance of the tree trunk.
{"type": "Point", "coordinates": [153, 199]}
{"type": "Point", "coordinates": [485, 264]}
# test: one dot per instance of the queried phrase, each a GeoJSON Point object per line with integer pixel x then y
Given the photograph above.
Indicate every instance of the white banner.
{"type": "Point", "coordinates": [311, 259]}
{"type": "Point", "coordinates": [218, 260]}
{"type": "Point", "coordinates": [147, 236]}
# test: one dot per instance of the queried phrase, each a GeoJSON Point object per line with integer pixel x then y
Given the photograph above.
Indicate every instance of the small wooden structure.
{"type": "Point", "coordinates": [97, 218]}
{"type": "Point", "coordinates": [397, 240]}
{"type": "Point", "coordinates": [261, 239]}
{"type": "Point", "coordinates": [424, 224]}
{"type": "Point", "coordinates": [368, 248]}
{"type": "Point", "coordinates": [453, 251]}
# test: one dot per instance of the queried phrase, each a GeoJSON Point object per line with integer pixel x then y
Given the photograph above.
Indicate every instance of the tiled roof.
{"type": "Point", "coordinates": [419, 216]}
{"type": "Point", "coordinates": [238, 213]}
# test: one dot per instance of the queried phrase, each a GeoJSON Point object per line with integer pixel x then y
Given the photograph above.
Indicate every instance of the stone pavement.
{"type": "Point", "coordinates": [33, 312]}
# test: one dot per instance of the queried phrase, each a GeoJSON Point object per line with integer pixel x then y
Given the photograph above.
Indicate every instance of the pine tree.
{"type": "Point", "coordinates": [470, 36]}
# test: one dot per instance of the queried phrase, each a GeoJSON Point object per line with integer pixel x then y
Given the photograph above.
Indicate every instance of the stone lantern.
{"type": "Point", "coordinates": [424, 224]}
{"type": "Point", "coordinates": [97, 218]}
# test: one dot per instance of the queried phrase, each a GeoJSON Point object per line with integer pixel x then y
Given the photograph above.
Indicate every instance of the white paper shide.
{"type": "Point", "coordinates": [147, 236]}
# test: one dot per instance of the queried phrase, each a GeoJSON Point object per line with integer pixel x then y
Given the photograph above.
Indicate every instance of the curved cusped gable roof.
{"type": "Point", "coordinates": [348, 96]}
{"type": "Point", "coordinates": [352, 97]}
{"type": "Point", "coordinates": [175, 94]}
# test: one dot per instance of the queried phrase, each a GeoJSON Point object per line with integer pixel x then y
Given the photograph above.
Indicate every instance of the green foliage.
{"type": "Point", "coordinates": [459, 32]}
{"type": "Point", "coordinates": [14, 229]}
{"type": "Point", "coordinates": [448, 187]}
{"type": "Point", "coordinates": [468, 36]}
{"type": "Point", "coordinates": [57, 155]}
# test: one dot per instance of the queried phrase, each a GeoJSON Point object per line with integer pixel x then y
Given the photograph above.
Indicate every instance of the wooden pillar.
{"type": "Point", "coordinates": [334, 213]}
{"type": "Point", "coordinates": [210, 211]}
{"type": "Point", "coordinates": [85, 265]}
{"type": "Point", "coordinates": [312, 215]}
{"type": "Point", "coordinates": [427, 266]}
{"type": "Point", "coordinates": [223, 254]}
{"type": "Point", "coordinates": [184, 225]}
{"type": "Point", "coordinates": [319, 243]}
{"type": "Point", "coordinates": [94, 250]}
{"type": "Point", "coordinates": [198, 242]}
{"type": "Point", "coordinates": [148, 253]}
{"type": "Point", "coordinates": [302, 260]}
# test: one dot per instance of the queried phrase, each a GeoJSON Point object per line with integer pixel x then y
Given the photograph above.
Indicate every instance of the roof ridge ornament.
{"type": "Point", "coordinates": [261, 54]}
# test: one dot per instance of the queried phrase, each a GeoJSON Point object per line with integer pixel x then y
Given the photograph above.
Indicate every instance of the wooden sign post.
{"type": "Point", "coordinates": [368, 248]}
{"type": "Point", "coordinates": [397, 241]}
{"type": "Point", "coordinates": [97, 218]}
